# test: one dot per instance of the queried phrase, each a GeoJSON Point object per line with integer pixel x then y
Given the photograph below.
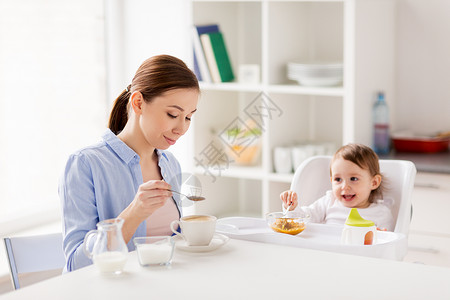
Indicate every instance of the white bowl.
{"type": "Point", "coordinates": [317, 81]}
{"type": "Point", "coordinates": [315, 74]}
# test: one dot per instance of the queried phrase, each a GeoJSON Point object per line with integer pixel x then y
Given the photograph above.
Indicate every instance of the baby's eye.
{"type": "Point", "coordinates": [337, 179]}
{"type": "Point", "coordinates": [353, 178]}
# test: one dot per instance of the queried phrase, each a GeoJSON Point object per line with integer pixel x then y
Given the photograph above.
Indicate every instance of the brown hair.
{"type": "Point", "coordinates": [365, 158]}
{"type": "Point", "coordinates": [155, 76]}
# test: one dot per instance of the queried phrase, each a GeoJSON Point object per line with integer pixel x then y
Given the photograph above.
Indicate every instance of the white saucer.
{"type": "Point", "coordinates": [217, 241]}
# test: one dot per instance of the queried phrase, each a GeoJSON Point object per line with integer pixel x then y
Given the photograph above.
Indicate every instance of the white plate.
{"type": "Point", "coordinates": [319, 81]}
{"type": "Point", "coordinates": [217, 241]}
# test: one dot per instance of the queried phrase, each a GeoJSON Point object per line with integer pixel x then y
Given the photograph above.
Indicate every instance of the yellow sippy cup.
{"type": "Point", "coordinates": [358, 231]}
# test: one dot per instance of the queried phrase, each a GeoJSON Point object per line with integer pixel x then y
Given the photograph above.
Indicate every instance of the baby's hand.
{"type": "Point", "coordinates": [289, 197]}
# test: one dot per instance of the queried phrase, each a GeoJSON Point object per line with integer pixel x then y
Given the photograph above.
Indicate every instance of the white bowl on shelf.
{"type": "Point", "coordinates": [315, 74]}
{"type": "Point", "coordinates": [317, 81]}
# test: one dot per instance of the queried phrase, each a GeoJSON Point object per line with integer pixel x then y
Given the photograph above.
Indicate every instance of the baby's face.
{"type": "Point", "coordinates": [351, 184]}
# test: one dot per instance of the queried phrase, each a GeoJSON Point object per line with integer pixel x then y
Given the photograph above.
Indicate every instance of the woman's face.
{"type": "Point", "coordinates": [167, 117]}
{"type": "Point", "coordinates": [351, 184]}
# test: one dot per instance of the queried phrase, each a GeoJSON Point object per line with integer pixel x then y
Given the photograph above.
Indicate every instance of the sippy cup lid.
{"type": "Point", "coordinates": [354, 219]}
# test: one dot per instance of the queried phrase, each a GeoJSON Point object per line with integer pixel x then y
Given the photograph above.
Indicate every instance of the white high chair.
{"type": "Point", "coordinates": [312, 179]}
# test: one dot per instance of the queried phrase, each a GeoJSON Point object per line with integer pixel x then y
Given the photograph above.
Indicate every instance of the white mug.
{"type": "Point", "coordinates": [282, 159]}
{"type": "Point", "coordinates": [299, 154]}
{"type": "Point", "coordinates": [196, 230]}
{"type": "Point", "coordinates": [356, 235]}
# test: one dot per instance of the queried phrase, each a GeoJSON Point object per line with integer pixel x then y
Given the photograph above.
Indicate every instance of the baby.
{"type": "Point", "coordinates": [356, 183]}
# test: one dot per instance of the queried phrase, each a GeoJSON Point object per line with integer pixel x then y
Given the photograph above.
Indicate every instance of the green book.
{"type": "Point", "coordinates": [217, 56]}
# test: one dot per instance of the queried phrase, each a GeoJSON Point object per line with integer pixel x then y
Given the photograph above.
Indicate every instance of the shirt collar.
{"type": "Point", "coordinates": [119, 147]}
{"type": "Point", "coordinates": [161, 154]}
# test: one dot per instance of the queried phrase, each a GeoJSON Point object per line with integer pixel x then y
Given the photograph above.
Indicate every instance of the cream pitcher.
{"type": "Point", "coordinates": [109, 252]}
{"type": "Point", "coordinates": [358, 231]}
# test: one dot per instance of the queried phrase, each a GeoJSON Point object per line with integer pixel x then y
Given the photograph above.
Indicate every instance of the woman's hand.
{"type": "Point", "coordinates": [289, 198]}
{"type": "Point", "coordinates": [150, 196]}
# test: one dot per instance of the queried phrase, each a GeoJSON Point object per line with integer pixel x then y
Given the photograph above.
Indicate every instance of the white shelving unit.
{"type": "Point", "coordinates": [359, 33]}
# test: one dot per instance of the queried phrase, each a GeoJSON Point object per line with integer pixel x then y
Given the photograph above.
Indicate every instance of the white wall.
{"type": "Point", "coordinates": [139, 29]}
{"type": "Point", "coordinates": [375, 38]}
{"type": "Point", "coordinates": [423, 66]}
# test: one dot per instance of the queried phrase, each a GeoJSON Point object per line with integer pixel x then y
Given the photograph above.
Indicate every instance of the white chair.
{"type": "Point", "coordinates": [312, 179]}
{"type": "Point", "coordinates": [34, 258]}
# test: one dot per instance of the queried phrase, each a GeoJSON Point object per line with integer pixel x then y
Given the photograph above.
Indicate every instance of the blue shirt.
{"type": "Point", "coordinates": [99, 182]}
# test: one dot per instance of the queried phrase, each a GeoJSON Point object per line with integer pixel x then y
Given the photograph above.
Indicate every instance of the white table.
{"type": "Point", "coordinates": [251, 270]}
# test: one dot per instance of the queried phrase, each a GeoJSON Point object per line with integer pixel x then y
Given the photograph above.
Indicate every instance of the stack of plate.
{"type": "Point", "coordinates": [315, 74]}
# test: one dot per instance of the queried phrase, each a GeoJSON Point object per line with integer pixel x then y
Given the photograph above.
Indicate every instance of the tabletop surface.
{"type": "Point", "coordinates": [251, 270]}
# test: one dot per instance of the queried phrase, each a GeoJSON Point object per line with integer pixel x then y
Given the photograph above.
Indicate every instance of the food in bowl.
{"type": "Point", "coordinates": [242, 143]}
{"type": "Point", "coordinates": [293, 223]}
{"type": "Point", "coordinates": [247, 155]}
{"type": "Point", "coordinates": [287, 225]}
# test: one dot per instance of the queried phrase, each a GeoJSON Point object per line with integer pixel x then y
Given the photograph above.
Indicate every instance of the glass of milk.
{"type": "Point", "coordinates": [154, 250]}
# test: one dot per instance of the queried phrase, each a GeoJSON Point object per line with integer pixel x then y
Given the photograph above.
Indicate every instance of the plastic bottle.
{"type": "Point", "coordinates": [381, 138]}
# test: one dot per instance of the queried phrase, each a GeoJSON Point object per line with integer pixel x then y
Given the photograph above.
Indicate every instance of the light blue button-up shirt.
{"type": "Point", "coordinates": [99, 182]}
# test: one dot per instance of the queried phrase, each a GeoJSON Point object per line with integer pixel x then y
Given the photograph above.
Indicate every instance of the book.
{"type": "Point", "coordinates": [201, 68]}
{"type": "Point", "coordinates": [202, 29]}
{"type": "Point", "coordinates": [217, 57]}
{"type": "Point", "coordinates": [197, 71]}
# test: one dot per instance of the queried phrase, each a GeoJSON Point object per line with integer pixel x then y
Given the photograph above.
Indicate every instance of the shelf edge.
{"type": "Point", "coordinates": [283, 89]}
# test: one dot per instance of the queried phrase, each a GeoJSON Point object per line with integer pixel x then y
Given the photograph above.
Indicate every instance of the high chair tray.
{"type": "Point", "coordinates": [390, 245]}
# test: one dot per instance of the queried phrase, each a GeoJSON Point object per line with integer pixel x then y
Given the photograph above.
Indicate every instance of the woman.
{"type": "Point", "coordinates": [128, 174]}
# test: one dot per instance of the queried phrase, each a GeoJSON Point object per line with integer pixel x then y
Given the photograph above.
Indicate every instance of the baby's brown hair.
{"type": "Point", "coordinates": [365, 158]}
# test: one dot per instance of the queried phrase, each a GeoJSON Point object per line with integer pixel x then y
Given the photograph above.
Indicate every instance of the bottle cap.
{"type": "Point", "coordinates": [354, 219]}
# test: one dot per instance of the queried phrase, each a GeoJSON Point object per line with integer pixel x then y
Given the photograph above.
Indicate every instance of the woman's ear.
{"type": "Point", "coordinates": [136, 100]}
{"type": "Point", "coordinates": [376, 181]}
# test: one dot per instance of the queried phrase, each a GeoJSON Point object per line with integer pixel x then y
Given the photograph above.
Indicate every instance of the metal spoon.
{"type": "Point", "coordinates": [287, 210]}
{"type": "Point", "coordinates": [192, 198]}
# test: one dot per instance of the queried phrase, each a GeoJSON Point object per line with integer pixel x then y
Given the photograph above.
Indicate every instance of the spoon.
{"type": "Point", "coordinates": [287, 210]}
{"type": "Point", "coordinates": [192, 198]}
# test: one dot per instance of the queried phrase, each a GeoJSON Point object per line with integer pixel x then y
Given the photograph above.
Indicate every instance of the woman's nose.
{"type": "Point", "coordinates": [181, 128]}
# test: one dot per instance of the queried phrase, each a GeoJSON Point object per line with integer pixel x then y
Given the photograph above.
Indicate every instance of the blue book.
{"type": "Point", "coordinates": [197, 69]}
{"type": "Point", "coordinates": [202, 29]}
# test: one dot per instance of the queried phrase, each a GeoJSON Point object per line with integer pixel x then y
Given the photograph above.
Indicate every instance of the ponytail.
{"type": "Point", "coordinates": [119, 113]}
